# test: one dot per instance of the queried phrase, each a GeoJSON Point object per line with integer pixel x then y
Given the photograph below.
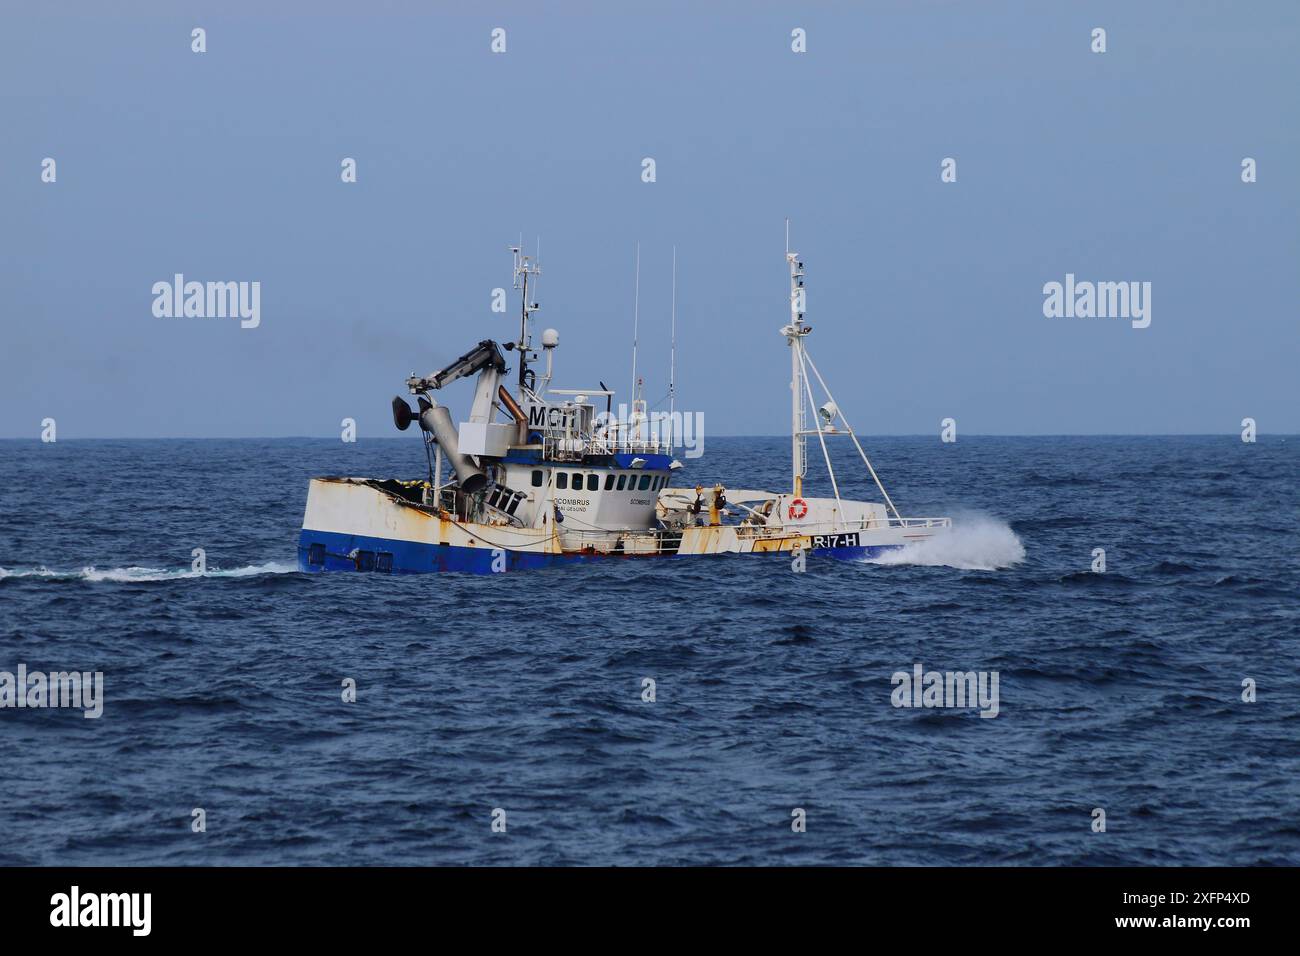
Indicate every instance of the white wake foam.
{"type": "Point", "coordinates": [135, 573]}
{"type": "Point", "coordinates": [975, 542]}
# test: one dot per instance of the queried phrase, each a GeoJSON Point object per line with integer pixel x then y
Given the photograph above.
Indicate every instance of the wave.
{"type": "Point", "coordinates": [976, 542]}
{"type": "Point", "coordinates": [134, 573]}
{"type": "Point", "coordinates": [1096, 579]}
{"type": "Point", "coordinates": [1058, 481]}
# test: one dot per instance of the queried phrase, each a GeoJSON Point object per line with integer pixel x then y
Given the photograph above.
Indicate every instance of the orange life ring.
{"type": "Point", "coordinates": [798, 509]}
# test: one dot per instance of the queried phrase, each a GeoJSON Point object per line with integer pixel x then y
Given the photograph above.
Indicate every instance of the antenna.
{"type": "Point", "coordinates": [636, 315]}
{"type": "Point", "coordinates": [672, 358]}
{"type": "Point", "coordinates": [787, 235]}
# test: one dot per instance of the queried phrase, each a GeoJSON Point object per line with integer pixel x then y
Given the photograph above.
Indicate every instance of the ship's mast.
{"type": "Point", "coordinates": [672, 360]}
{"type": "Point", "coordinates": [636, 318]}
{"type": "Point", "coordinates": [794, 333]}
{"type": "Point", "coordinates": [524, 267]}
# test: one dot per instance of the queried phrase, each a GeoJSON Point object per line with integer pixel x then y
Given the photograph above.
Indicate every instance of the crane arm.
{"type": "Point", "coordinates": [487, 354]}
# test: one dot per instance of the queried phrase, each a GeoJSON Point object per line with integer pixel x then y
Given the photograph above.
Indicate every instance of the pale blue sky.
{"type": "Point", "coordinates": [926, 298]}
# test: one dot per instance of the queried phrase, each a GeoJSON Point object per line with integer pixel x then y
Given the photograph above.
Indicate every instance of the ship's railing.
{"type": "Point", "coordinates": [837, 527]}
{"type": "Point", "coordinates": [920, 522]}
{"type": "Point", "coordinates": [562, 449]}
{"type": "Point", "coordinates": [781, 531]}
{"type": "Point", "coordinates": [568, 448]}
{"type": "Point", "coordinates": [645, 446]}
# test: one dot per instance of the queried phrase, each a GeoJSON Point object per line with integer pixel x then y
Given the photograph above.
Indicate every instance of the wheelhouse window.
{"type": "Point", "coordinates": [561, 479]}
{"type": "Point", "coordinates": [644, 483]}
{"type": "Point", "coordinates": [609, 481]}
{"type": "Point", "coordinates": [622, 482]}
{"type": "Point", "coordinates": [577, 481]}
{"type": "Point", "coordinates": [537, 478]}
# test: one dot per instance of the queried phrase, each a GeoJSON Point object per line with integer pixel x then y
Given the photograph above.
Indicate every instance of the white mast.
{"type": "Point", "coordinates": [672, 359]}
{"type": "Point", "coordinates": [636, 316]}
{"type": "Point", "coordinates": [801, 388]}
{"type": "Point", "coordinates": [794, 333]}
{"type": "Point", "coordinates": [523, 269]}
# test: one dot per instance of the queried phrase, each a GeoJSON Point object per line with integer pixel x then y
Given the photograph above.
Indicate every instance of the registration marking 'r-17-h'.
{"type": "Point", "coordinates": [835, 540]}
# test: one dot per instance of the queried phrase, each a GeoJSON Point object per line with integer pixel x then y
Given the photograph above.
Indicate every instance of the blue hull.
{"type": "Point", "coordinates": [329, 551]}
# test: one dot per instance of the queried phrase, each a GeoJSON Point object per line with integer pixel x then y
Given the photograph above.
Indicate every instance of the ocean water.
{"type": "Point", "coordinates": [1119, 690]}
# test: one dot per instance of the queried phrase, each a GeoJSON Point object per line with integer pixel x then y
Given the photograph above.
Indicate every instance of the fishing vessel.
{"type": "Point", "coordinates": [538, 476]}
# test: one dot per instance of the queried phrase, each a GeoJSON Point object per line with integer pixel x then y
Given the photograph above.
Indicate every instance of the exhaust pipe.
{"type": "Point", "coordinates": [517, 413]}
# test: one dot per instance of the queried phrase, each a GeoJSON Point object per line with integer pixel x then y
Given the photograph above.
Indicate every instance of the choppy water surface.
{"type": "Point", "coordinates": [522, 691]}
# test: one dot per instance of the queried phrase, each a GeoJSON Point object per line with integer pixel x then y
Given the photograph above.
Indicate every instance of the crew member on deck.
{"type": "Point", "coordinates": [718, 502]}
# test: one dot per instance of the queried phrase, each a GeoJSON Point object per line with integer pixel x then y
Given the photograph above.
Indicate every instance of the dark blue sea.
{"type": "Point", "coordinates": [1119, 690]}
